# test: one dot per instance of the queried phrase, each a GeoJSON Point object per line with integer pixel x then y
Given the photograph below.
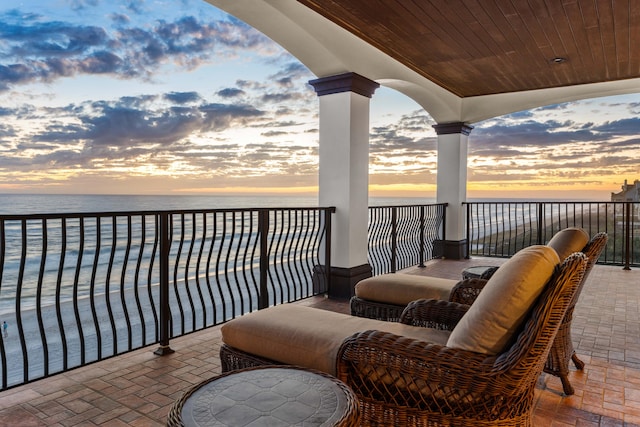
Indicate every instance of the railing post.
{"type": "Point", "coordinates": [327, 249]}
{"type": "Point", "coordinates": [422, 243]}
{"type": "Point", "coordinates": [540, 222]}
{"type": "Point", "coordinates": [627, 236]}
{"type": "Point", "coordinates": [394, 238]}
{"type": "Point", "coordinates": [444, 221]}
{"type": "Point", "coordinates": [263, 230]}
{"type": "Point", "coordinates": [164, 309]}
{"type": "Point", "coordinates": [468, 231]}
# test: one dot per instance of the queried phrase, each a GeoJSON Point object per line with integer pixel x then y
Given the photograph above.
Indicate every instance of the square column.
{"type": "Point", "coordinates": [344, 174]}
{"type": "Point", "coordinates": [452, 185]}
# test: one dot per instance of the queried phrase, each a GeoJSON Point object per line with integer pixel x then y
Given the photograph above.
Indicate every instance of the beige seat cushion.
{"type": "Point", "coordinates": [505, 301]}
{"type": "Point", "coordinates": [401, 289]}
{"type": "Point", "coordinates": [308, 337]}
{"type": "Point", "coordinates": [568, 241]}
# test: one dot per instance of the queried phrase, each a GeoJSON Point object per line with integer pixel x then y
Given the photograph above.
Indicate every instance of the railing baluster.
{"type": "Point", "coordinates": [176, 269]}
{"type": "Point", "coordinates": [76, 281]}
{"type": "Point", "coordinates": [18, 311]}
{"type": "Point", "coordinates": [123, 276]}
{"type": "Point", "coordinates": [208, 269]}
{"type": "Point", "coordinates": [263, 227]}
{"type": "Point", "coordinates": [92, 299]}
{"type": "Point", "coordinates": [61, 329]}
{"type": "Point", "coordinates": [107, 293]}
{"type": "Point", "coordinates": [3, 354]}
{"type": "Point", "coordinates": [187, 285]}
{"type": "Point", "coordinates": [162, 284]}
{"type": "Point", "coordinates": [136, 280]}
{"type": "Point", "coordinates": [236, 257]}
{"type": "Point", "coordinates": [203, 238]}
{"type": "Point", "coordinates": [218, 257]}
{"type": "Point", "coordinates": [43, 262]}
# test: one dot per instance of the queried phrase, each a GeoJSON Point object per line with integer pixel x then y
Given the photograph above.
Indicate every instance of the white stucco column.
{"type": "Point", "coordinates": [452, 184]}
{"type": "Point", "coordinates": [344, 174]}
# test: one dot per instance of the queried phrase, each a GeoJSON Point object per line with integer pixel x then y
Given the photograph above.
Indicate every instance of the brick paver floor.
{"type": "Point", "coordinates": [137, 389]}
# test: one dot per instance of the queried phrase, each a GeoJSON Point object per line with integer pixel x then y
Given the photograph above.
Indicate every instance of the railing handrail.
{"type": "Point", "coordinates": [103, 214]}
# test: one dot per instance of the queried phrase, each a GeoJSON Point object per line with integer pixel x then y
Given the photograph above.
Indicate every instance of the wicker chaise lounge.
{"type": "Point", "coordinates": [385, 296]}
{"type": "Point", "coordinates": [471, 366]}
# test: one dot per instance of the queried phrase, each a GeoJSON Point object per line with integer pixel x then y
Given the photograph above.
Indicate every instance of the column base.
{"type": "Point", "coordinates": [342, 281]}
{"type": "Point", "coordinates": [451, 249]}
{"type": "Point", "coordinates": [163, 350]}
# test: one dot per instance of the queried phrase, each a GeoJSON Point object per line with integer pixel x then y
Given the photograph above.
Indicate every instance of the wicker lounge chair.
{"type": "Point", "coordinates": [402, 382]}
{"type": "Point", "coordinates": [468, 380]}
{"type": "Point", "coordinates": [385, 296]}
{"type": "Point", "coordinates": [562, 350]}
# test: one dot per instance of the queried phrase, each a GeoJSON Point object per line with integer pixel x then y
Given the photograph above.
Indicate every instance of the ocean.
{"type": "Point", "coordinates": [19, 204]}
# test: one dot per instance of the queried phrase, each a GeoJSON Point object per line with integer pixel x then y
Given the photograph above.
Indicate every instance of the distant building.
{"type": "Point", "coordinates": [629, 193]}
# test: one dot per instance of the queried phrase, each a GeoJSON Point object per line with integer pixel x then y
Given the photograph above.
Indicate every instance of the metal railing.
{"type": "Point", "coordinates": [500, 229]}
{"type": "Point", "coordinates": [79, 288]}
{"type": "Point", "coordinates": [404, 236]}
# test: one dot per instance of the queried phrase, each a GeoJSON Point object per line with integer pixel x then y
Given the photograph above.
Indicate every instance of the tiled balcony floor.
{"type": "Point", "coordinates": [138, 388]}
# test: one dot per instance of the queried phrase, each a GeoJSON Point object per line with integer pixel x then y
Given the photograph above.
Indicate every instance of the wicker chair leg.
{"type": "Point", "coordinates": [576, 361]}
{"type": "Point", "coordinates": [566, 385]}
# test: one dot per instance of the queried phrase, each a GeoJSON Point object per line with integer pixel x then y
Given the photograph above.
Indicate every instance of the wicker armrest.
{"type": "Point", "coordinates": [489, 272]}
{"type": "Point", "coordinates": [466, 291]}
{"type": "Point", "coordinates": [403, 372]}
{"type": "Point", "coordinates": [431, 313]}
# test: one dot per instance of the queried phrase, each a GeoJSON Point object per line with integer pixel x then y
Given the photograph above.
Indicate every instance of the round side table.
{"type": "Point", "coordinates": [267, 396]}
{"type": "Point", "coordinates": [478, 271]}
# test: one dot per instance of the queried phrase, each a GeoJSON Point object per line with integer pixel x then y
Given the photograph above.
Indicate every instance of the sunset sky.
{"type": "Point", "coordinates": [177, 97]}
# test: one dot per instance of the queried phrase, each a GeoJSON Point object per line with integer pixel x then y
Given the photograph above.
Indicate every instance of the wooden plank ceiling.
{"type": "Point", "coordinates": [482, 47]}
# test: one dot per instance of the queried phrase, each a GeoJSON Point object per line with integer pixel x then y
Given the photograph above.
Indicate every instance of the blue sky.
{"type": "Point", "coordinates": [177, 97]}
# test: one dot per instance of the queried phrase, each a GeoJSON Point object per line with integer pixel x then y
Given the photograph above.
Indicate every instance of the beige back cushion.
{"type": "Point", "coordinates": [568, 241]}
{"type": "Point", "coordinates": [504, 302]}
{"type": "Point", "coordinates": [401, 289]}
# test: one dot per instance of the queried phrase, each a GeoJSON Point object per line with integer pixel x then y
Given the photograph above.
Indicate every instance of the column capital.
{"type": "Point", "coordinates": [451, 128]}
{"type": "Point", "coordinates": [347, 82]}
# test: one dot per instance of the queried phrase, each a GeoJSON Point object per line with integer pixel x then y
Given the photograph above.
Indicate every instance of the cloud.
{"type": "Point", "coordinates": [221, 116]}
{"type": "Point", "coordinates": [39, 50]}
{"type": "Point", "coordinates": [281, 98]}
{"type": "Point", "coordinates": [624, 127]}
{"type": "Point", "coordinates": [119, 19]}
{"type": "Point", "coordinates": [230, 92]}
{"type": "Point", "coordinates": [273, 133]}
{"type": "Point", "coordinates": [129, 128]}
{"type": "Point", "coordinates": [182, 97]}
{"type": "Point", "coordinates": [289, 73]}
{"type": "Point", "coordinates": [79, 5]}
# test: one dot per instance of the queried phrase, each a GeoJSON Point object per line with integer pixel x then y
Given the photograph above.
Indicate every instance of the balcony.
{"type": "Point", "coordinates": [139, 387]}
{"type": "Point", "coordinates": [134, 386]}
